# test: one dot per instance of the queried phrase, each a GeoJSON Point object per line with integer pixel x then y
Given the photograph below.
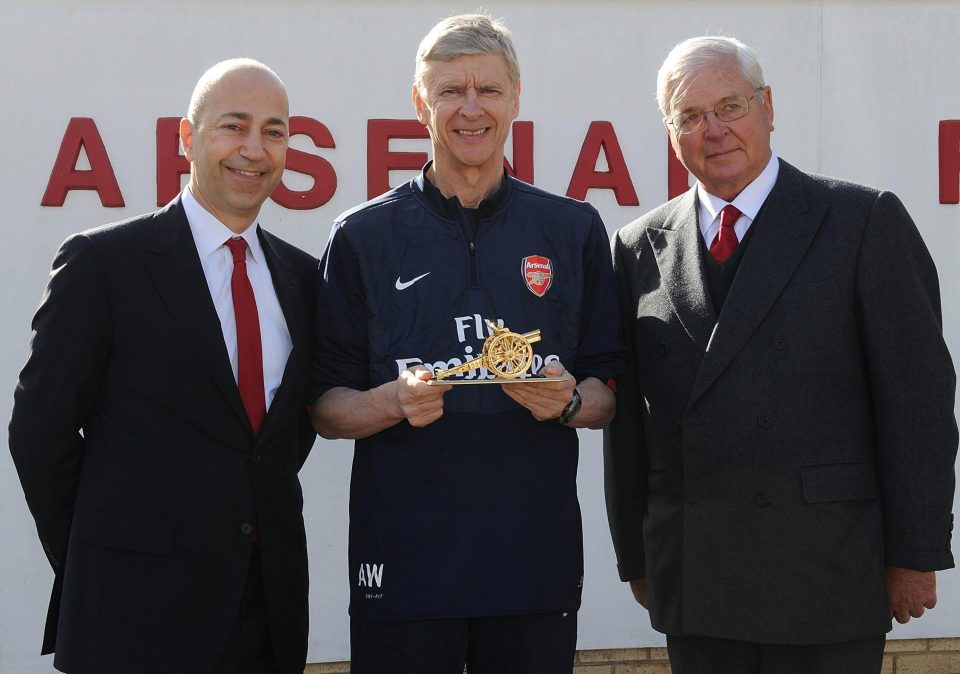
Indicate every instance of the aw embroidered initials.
{"type": "Point", "coordinates": [370, 575]}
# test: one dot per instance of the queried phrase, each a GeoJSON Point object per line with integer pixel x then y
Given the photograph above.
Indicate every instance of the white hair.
{"type": "Point", "coordinates": [463, 35]}
{"type": "Point", "coordinates": [687, 58]}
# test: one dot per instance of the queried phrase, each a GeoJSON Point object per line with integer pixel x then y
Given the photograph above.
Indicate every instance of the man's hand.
{"type": "Point", "coordinates": [420, 403]}
{"type": "Point", "coordinates": [639, 588]}
{"type": "Point", "coordinates": [344, 412]}
{"type": "Point", "coordinates": [545, 400]}
{"type": "Point", "coordinates": [910, 592]}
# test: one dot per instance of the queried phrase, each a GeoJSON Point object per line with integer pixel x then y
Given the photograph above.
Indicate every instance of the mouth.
{"type": "Point", "coordinates": [246, 174]}
{"type": "Point", "coordinates": [470, 133]}
{"type": "Point", "coordinates": [722, 155]}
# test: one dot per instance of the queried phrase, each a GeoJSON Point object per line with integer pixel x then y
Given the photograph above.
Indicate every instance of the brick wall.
{"type": "Point", "coordinates": [905, 656]}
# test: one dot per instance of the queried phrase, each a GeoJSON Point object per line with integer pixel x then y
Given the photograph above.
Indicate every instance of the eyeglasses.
{"type": "Point", "coordinates": [727, 110]}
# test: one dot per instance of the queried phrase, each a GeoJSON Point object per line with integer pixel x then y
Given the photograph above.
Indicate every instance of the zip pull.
{"type": "Point", "coordinates": [474, 270]}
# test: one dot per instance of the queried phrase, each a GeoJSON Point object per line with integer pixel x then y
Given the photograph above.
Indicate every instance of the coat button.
{"type": "Point", "coordinates": [765, 421]}
{"type": "Point", "coordinates": [677, 426]}
{"type": "Point", "coordinates": [664, 349]}
{"type": "Point", "coordinates": [246, 528]}
{"type": "Point", "coordinates": [256, 458]}
{"type": "Point", "coordinates": [762, 500]}
{"type": "Point", "coordinates": [691, 496]}
{"type": "Point", "coordinates": [779, 343]}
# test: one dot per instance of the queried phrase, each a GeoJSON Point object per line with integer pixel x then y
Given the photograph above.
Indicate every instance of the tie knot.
{"type": "Point", "coordinates": [729, 215]}
{"type": "Point", "coordinates": [238, 246]}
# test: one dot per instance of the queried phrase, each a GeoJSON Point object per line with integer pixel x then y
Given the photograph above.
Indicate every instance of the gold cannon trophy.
{"type": "Point", "coordinates": [508, 355]}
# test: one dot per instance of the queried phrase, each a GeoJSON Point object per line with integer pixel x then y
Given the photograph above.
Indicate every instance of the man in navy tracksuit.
{"type": "Point", "coordinates": [465, 541]}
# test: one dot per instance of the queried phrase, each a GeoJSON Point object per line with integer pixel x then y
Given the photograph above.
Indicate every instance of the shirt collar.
{"type": "Point", "coordinates": [209, 233]}
{"type": "Point", "coordinates": [748, 201]}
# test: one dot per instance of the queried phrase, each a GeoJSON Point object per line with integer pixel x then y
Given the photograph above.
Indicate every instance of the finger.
{"type": "Point", "coordinates": [426, 376]}
{"type": "Point", "coordinates": [553, 369]}
{"type": "Point", "coordinates": [916, 611]}
{"type": "Point", "coordinates": [427, 418]}
{"type": "Point", "coordinates": [416, 384]}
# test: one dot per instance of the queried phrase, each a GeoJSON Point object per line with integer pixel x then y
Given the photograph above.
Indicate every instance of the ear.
{"type": "Point", "coordinates": [420, 105]}
{"type": "Point", "coordinates": [516, 102]}
{"type": "Point", "coordinates": [768, 103]}
{"type": "Point", "coordinates": [186, 138]}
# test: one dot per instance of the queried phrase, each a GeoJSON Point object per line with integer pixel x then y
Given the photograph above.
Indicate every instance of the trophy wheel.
{"type": "Point", "coordinates": [509, 355]}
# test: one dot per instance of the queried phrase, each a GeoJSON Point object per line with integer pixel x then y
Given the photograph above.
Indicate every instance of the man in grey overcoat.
{"type": "Point", "coordinates": [780, 471]}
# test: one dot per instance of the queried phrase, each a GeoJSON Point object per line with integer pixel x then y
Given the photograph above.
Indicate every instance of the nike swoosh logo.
{"type": "Point", "coordinates": [403, 285]}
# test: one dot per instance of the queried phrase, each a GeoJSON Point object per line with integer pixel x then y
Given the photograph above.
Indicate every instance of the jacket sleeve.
{"type": "Point", "coordinates": [57, 390]}
{"type": "Point", "coordinates": [624, 444]}
{"type": "Point", "coordinates": [913, 383]}
{"type": "Point", "coordinates": [599, 350]}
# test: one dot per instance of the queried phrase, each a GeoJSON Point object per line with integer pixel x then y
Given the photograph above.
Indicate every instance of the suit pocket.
{"type": "Point", "coordinates": [139, 534]}
{"type": "Point", "coordinates": [839, 482]}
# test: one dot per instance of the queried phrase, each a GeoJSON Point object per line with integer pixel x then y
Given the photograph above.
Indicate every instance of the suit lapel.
{"type": "Point", "coordinates": [676, 247]}
{"type": "Point", "coordinates": [285, 282]}
{"type": "Point", "coordinates": [785, 228]}
{"type": "Point", "coordinates": [174, 263]}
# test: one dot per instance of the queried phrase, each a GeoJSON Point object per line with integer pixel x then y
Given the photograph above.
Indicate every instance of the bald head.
{"type": "Point", "coordinates": [208, 82]}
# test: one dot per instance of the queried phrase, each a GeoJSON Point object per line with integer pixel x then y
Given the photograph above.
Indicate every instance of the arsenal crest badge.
{"type": "Point", "coordinates": [537, 274]}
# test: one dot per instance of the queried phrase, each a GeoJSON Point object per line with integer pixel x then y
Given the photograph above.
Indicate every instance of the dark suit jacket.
{"type": "Point", "coordinates": [765, 465]}
{"type": "Point", "coordinates": [138, 461]}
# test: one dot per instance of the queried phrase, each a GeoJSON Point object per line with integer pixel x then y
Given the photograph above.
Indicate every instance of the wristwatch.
{"type": "Point", "coordinates": [572, 408]}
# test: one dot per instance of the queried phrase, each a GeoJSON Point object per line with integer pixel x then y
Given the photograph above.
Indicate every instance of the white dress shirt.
{"type": "Point", "coordinates": [748, 202]}
{"type": "Point", "coordinates": [210, 235]}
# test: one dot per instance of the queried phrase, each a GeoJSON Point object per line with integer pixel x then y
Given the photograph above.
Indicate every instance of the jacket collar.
{"type": "Point", "coordinates": [449, 209]}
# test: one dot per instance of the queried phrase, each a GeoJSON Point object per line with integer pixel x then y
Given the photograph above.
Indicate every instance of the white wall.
{"type": "Point", "coordinates": [859, 89]}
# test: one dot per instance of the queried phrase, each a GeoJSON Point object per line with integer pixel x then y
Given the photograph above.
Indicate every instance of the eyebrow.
{"type": "Point", "coordinates": [725, 98]}
{"type": "Point", "coordinates": [247, 117]}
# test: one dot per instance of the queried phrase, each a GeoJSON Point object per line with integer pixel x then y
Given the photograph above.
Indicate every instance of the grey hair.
{"type": "Point", "coordinates": [687, 58]}
{"type": "Point", "coordinates": [213, 75]}
{"type": "Point", "coordinates": [463, 35]}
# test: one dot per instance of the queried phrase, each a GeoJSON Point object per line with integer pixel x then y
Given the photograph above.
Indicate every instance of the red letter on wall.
{"type": "Point", "coordinates": [950, 161]}
{"type": "Point", "coordinates": [522, 168]}
{"type": "Point", "coordinates": [82, 133]}
{"type": "Point", "coordinates": [170, 163]}
{"type": "Point", "coordinates": [380, 160]}
{"type": "Point", "coordinates": [318, 168]}
{"type": "Point", "coordinates": [601, 136]}
{"type": "Point", "coordinates": [678, 180]}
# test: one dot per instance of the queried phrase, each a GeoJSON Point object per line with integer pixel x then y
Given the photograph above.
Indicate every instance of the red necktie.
{"type": "Point", "coordinates": [249, 349]}
{"type": "Point", "coordinates": [726, 240]}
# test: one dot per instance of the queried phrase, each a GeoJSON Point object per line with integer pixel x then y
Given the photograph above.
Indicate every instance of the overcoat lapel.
{"type": "Point", "coordinates": [785, 228]}
{"type": "Point", "coordinates": [676, 246]}
{"type": "Point", "coordinates": [285, 282]}
{"type": "Point", "coordinates": [174, 263]}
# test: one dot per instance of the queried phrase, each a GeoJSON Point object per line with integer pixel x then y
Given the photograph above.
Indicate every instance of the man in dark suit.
{"type": "Point", "coordinates": [158, 425]}
{"type": "Point", "coordinates": [780, 471]}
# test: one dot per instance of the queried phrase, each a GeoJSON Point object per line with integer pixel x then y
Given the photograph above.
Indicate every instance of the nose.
{"type": "Point", "coordinates": [252, 147]}
{"type": "Point", "coordinates": [713, 127]}
{"type": "Point", "coordinates": [471, 104]}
